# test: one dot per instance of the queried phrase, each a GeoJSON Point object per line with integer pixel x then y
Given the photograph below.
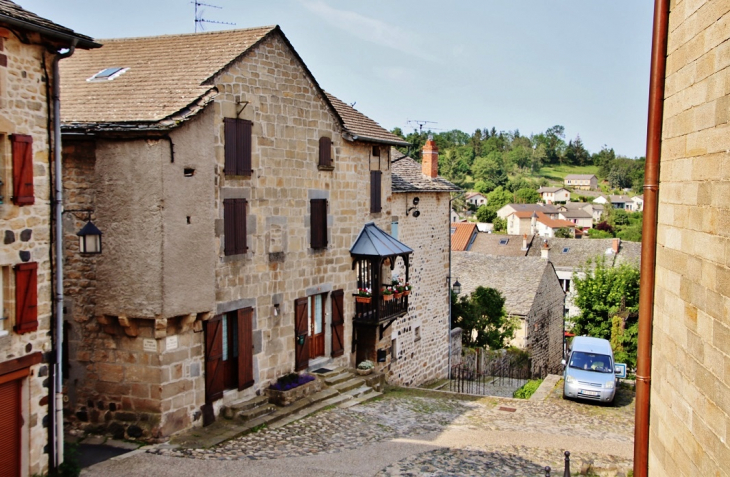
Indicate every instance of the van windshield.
{"type": "Point", "coordinates": [599, 363]}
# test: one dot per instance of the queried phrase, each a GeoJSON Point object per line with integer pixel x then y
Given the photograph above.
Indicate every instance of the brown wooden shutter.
{"type": "Point", "coordinates": [240, 212]}
{"type": "Point", "coordinates": [243, 146]}
{"type": "Point", "coordinates": [11, 421]}
{"type": "Point", "coordinates": [325, 151]}
{"type": "Point", "coordinates": [22, 169]}
{"type": "Point", "coordinates": [318, 223]}
{"type": "Point", "coordinates": [301, 329]}
{"type": "Point", "coordinates": [245, 348]}
{"type": "Point", "coordinates": [26, 297]}
{"type": "Point", "coordinates": [229, 226]}
{"type": "Point", "coordinates": [338, 323]}
{"type": "Point", "coordinates": [214, 376]}
{"type": "Point", "coordinates": [375, 192]}
{"type": "Point", "coordinates": [230, 146]}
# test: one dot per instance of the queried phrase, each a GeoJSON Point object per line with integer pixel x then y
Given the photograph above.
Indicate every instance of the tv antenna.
{"type": "Point", "coordinates": [420, 123]}
{"type": "Point", "coordinates": [199, 20]}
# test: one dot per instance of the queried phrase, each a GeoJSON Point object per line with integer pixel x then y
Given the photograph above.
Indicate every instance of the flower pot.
{"type": "Point", "coordinates": [406, 293]}
{"type": "Point", "coordinates": [363, 299]}
{"type": "Point", "coordinates": [387, 297]}
{"type": "Point", "coordinates": [363, 372]}
{"type": "Point", "coordinates": [398, 295]}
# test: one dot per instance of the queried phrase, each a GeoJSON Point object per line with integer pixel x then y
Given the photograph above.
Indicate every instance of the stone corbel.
{"type": "Point", "coordinates": [107, 324]}
{"type": "Point", "coordinates": [186, 322]}
{"type": "Point", "coordinates": [198, 324]}
{"type": "Point", "coordinates": [160, 328]}
{"type": "Point", "coordinates": [129, 325]}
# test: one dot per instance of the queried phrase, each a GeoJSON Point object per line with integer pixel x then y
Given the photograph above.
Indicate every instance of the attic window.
{"type": "Point", "coordinates": [108, 74]}
{"type": "Point", "coordinates": [453, 229]}
{"type": "Point", "coordinates": [503, 241]}
{"type": "Point", "coordinates": [566, 249]}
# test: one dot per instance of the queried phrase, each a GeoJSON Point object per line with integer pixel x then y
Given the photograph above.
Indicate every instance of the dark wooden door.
{"type": "Point", "coordinates": [214, 372]}
{"type": "Point", "coordinates": [301, 332]}
{"type": "Point", "coordinates": [11, 422]}
{"type": "Point", "coordinates": [338, 323]}
{"type": "Point", "coordinates": [245, 348]}
{"type": "Point", "coordinates": [316, 325]}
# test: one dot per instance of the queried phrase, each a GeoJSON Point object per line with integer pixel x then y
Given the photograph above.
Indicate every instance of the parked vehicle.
{"type": "Point", "coordinates": [590, 372]}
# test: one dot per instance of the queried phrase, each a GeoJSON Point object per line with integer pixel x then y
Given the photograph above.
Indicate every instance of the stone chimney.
{"type": "Point", "coordinates": [524, 242]}
{"type": "Point", "coordinates": [545, 251]}
{"type": "Point", "coordinates": [616, 245]}
{"type": "Point", "coordinates": [430, 161]}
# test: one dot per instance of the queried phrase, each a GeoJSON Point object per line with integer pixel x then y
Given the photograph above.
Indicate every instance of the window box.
{"type": "Point", "coordinates": [287, 397]}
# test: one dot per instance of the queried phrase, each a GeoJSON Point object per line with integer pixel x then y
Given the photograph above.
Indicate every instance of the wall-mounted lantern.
{"type": "Point", "coordinates": [456, 288]}
{"type": "Point", "coordinates": [89, 238]}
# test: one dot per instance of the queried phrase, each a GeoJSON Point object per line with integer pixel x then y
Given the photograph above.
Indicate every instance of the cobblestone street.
{"type": "Point", "coordinates": [447, 436]}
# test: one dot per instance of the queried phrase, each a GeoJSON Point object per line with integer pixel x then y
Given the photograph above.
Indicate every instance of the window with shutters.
{"type": "Point", "coordinates": [7, 299]}
{"type": "Point", "coordinates": [325, 154]}
{"type": "Point", "coordinates": [22, 146]}
{"type": "Point", "coordinates": [26, 297]}
{"type": "Point", "coordinates": [238, 147]}
{"type": "Point", "coordinates": [375, 191]}
{"type": "Point", "coordinates": [318, 223]}
{"type": "Point", "coordinates": [234, 222]}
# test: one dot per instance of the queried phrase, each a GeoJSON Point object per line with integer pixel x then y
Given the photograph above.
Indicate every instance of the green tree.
{"type": "Point", "coordinates": [603, 293]}
{"type": "Point", "coordinates": [527, 196]}
{"type": "Point", "coordinates": [484, 187]}
{"type": "Point", "coordinates": [500, 224]}
{"type": "Point", "coordinates": [482, 318]}
{"type": "Point", "coordinates": [486, 214]}
{"type": "Point", "coordinates": [498, 198]}
{"type": "Point", "coordinates": [563, 232]}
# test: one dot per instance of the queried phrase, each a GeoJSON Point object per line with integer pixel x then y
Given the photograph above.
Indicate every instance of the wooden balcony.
{"type": "Point", "coordinates": [379, 311]}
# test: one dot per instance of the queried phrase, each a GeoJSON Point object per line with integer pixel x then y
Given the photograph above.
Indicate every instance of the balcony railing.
{"type": "Point", "coordinates": [378, 310]}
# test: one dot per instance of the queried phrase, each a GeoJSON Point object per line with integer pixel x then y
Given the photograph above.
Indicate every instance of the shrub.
{"type": "Point", "coordinates": [528, 389]}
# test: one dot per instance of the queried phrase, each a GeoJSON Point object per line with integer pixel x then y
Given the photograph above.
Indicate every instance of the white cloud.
{"type": "Point", "coordinates": [371, 29]}
{"type": "Point", "coordinates": [395, 73]}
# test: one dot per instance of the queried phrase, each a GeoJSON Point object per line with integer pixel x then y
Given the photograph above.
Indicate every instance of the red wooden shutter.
{"type": "Point", "coordinates": [325, 151]}
{"type": "Point", "coordinates": [230, 146]}
{"type": "Point", "coordinates": [338, 323]}
{"type": "Point", "coordinates": [214, 376]}
{"type": "Point", "coordinates": [10, 424]}
{"type": "Point", "coordinates": [22, 169]}
{"type": "Point", "coordinates": [375, 192]}
{"type": "Point", "coordinates": [245, 348]}
{"type": "Point", "coordinates": [26, 297]}
{"type": "Point", "coordinates": [243, 147]}
{"type": "Point", "coordinates": [318, 223]}
{"type": "Point", "coordinates": [301, 329]}
{"type": "Point", "coordinates": [240, 211]}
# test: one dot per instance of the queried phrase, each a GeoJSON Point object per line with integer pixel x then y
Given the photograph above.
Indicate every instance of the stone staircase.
{"type": "Point", "coordinates": [342, 388]}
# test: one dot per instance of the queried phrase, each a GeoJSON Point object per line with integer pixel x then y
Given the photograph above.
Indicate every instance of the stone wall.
{"type": "Point", "coordinates": [544, 324]}
{"type": "Point", "coordinates": [689, 386]}
{"type": "Point", "coordinates": [26, 233]}
{"type": "Point", "coordinates": [422, 336]}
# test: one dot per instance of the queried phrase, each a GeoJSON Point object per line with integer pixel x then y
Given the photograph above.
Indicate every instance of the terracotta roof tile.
{"type": "Point", "coordinates": [463, 233]}
{"type": "Point", "coordinates": [407, 176]}
{"type": "Point", "coordinates": [357, 124]}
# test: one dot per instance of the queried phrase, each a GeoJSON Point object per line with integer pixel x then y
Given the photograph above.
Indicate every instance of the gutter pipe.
{"type": "Point", "coordinates": [649, 235]}
{"type": "Point", "coordinates": [58, 214]}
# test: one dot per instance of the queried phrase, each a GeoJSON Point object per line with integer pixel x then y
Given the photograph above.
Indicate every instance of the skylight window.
{"type": "Point", "coordinates": [503, 241]}
{"type": "Point", "coordinates": [566, 249]}
{"type": "Point", "coordinates": [108, 74]}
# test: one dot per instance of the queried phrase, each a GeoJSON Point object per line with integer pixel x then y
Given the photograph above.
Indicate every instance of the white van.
{"type": "Point", "coordinates": [590, 371]}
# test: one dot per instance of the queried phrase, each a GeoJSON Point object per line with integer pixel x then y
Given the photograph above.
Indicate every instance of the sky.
{"type": "Point", "coordinates": [459, 64]}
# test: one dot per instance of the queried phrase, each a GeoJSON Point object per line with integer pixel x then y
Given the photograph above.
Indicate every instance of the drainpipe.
{"type": "Point", "coordinates": [58, 213]}
{"type": "Point", "coordinates": [649, 234]}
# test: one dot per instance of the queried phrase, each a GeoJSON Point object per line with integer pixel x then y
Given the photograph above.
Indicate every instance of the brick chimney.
{"type": "Point", "coordinates": [430, 162]}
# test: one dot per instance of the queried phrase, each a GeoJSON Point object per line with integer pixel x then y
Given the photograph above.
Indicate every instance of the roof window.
{"type": "Point", "coordinates": [108, 74]}
{"type": "Point", "coordinates": [504, 241]}
{"type": "Point", "coordinates": [566, 249]}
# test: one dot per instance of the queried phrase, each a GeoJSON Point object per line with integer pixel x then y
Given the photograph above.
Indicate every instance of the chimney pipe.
{"type": "Point", "coordinates": [524, 242]}
{"type": "Point", "coordinates": [545, 251]}
{"type": "Point", "coordinates": [430, 162]}
{"type": "Point", "coordinates": [616, 245]}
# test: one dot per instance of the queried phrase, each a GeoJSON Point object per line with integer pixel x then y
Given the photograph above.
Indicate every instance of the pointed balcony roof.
{"type": "Point", "coordinates": [374, 242]}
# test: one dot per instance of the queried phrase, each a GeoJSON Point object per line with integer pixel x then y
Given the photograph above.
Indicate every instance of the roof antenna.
{"type": "Point", "coordinates": [199, 20]}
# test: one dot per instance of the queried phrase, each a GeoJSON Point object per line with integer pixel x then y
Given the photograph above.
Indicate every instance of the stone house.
{"type": "Point", "coordinates": [581, 181]}
{"type": "Point", "coordinates": [533, 296]}
{"type": "Point", "coordinates": [476, 199]}
{"type": "Point", "coordinates": [690, 384]}
{"type": "Point", "coordinates": [578, 216]}
{"type": "Point", "coordinates": [548, 209]}
{"type": "Point", "coordinates": [236, 198]}
{"type": "Point", "coordinates": [30, 48]}
{"type": "Point", "coordinates": [536, 222]}
{"type": "Point", "coordinates": [550, 195]}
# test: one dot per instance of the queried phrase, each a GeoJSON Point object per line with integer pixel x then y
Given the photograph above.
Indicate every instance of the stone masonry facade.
{"type": "Point", "coordinates": [690, 389]}
{"type": "Point", "coordinates": [544, 325]}
{"type": "Point", "coordinates": [24, 71]}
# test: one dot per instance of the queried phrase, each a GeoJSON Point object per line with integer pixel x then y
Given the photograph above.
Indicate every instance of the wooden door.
{"type": "Point", "coordinates": [245, 348]}
{"type": "Point", "coordinates": [338, 324]}
{"type": "Point", "coordinates": [11, 422]}
{"type": "Point", "coordinates": [316, 325]}
{"type": "Point", "coordinates": [214, 373]}
{"type": "Point", "coordinates": [301, 335]}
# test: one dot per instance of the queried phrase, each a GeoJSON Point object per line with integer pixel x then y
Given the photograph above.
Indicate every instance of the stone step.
{"type": "Point", "coordinates": [235, 408]}
{"type": "Point", "coordinates": [359, 400]}
{"type": "Point", "coordinates": [358, 392]}
{"type": "Point", "coordinates": [250, 414]}
{"type": "Point", "coordinates": [334, 372]}
{"type": "Point", "coordinates": [351, 383]}
{"type": "Point", "coordinates": [338, 378]}
{"type": "Point", "coordinates": [302, 413]}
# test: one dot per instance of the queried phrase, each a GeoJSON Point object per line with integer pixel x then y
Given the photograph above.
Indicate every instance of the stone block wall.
{"type": "Point", "coordinates": [544, 324]}
{"type": "Point", "coordinates": [690, 408]}
{"type": "Point", "coordinates": [422, 336]}
{"type": "Point", "coordinates": [26, 233]}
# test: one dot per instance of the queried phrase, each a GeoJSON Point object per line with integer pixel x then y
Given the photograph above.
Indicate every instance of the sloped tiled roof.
{"type": "Point", "coordinates": [166, 74]}
{"type": "Point", "coordinates": [579, 176]}
{"type": "Point", "coordinates": [617, 199]}
{"type": "Point", "coordinates": [517, 278]}
{"type": "Point", "coordinates": [407, 176]}
{"type": "Point", "coordinates": [577, 205]}
{"type": "Point", "coordinates": [13, 13]}
{"type": "Point", "coordinates": [576, 214]}
{"type": "Point", "coordinates": [362, 127]}
{"type": "Point", "coordinates": [550, 189]}
{"type": "Point", "coordinates": [473, 194]}
{"type": "Point", "coordinates": [547, 208]}
{"type": "Point", "coordinates": [492, 244]}
{"type": "Point", "coordinates": [544, 219]}
{"type": "Point", "coordinates": [580, 250]}
{"type": "Point", "coordinates": [461, 238]}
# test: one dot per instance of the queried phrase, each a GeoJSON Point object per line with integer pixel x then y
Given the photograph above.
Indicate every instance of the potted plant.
{"type": "Point", "coordinates": [387, 293]}
{"type": "Point", "coordinates": [364, 295]}
{"type": "Point", "coordinates": [292, 387]}
{"type": "Point", "coordinates": [365, 367]}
